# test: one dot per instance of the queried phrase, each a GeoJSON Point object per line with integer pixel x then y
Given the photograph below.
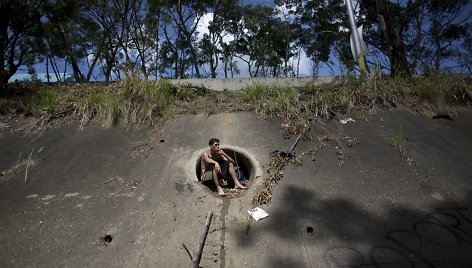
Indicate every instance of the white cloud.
{"type": "Point", "coordinates": [305, 68]}
{"type": "Point", "coordinates": [203, 23]}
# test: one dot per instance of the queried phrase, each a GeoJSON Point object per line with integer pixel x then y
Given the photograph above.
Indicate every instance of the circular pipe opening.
{"type": "Point", "coordinates": [241, 160]}
{"type": "Point", "coordinates": [247, 164]}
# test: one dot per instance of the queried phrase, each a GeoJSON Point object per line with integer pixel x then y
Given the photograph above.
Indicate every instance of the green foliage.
{"type": "Point", "coordinates": [397, 140]}
{"type": "Point", "coordinates": [21, 28]}
{"type": "Point", "coordinates": [273, 99]}
{"type": "Point", "coordinates": [145, 100]}
{"type": "Point", "coordinates": [5, 104]}
{"type": "Point", "coordinates": [142, 101]}
{"type": "Point", "coordinates": [353, 93]}
{"type": "Point", "coordinates": [132, 101]}
{"type": "Point", "coordinates": [45, 99]}
{"type": "Point", "coordinates": [443, 90]}
{"type": "Point", "coordinates": [104, 106]}
{"type": "Point", "coordinates": [50, 99]}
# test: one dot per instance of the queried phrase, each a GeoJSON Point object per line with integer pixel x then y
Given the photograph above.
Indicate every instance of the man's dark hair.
{"type": "Point", "coordinates": [213, 140]}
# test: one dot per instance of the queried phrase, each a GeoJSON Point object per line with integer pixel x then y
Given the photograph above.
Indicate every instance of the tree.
{"type": "Point", "coordinates": [179, 24]}
{"type": "Point", "coordinates": [464, 57]}
{"type": "Point", "coordinates": [75, 30]}
{"type": "Point", "coordinates": [446, 27]}
{"type": "Point", "coordinates": [324, 31]}
{"type": "Point", "coordinates": [263, 43]}
{"type": "Point", "coordinates": [222, 25]}
{"type": "Point", "coordinates": [20, 27]}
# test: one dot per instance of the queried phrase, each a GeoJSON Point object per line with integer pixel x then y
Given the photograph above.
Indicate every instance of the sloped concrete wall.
{"type": "Point", "coordinates": [234, 84]}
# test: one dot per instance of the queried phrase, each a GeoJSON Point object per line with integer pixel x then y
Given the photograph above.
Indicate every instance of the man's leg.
{"type": "Point", "coordinates": [237, 184]}
{"type": "Point", "coordinates": [219, 190]}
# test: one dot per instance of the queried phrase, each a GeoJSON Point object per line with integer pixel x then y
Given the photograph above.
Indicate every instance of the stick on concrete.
{"type": "Point", "coordinates": [27, 164]}
{"type": "Point", "coordinates": [188, 251]}
{"type": "Point", "coordinates": [198, 256]}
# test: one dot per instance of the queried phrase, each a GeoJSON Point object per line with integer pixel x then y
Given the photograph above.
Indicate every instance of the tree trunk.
{"type": "Point", "coordinates": [392, 33]}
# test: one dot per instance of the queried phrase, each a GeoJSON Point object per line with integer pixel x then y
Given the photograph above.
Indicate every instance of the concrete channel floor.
{"type": "Point", "coordinates": [135, 188]}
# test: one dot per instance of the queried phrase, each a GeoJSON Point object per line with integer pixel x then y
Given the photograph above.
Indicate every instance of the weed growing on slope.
{"type": "Point", "coordinates": [398, 141]}
{"type": "Point", "coordinates": [103, 106]}
{"type": "Point", "coordinates": [145, 101]}
{"type": "Point", "coordinates": [271, 100]}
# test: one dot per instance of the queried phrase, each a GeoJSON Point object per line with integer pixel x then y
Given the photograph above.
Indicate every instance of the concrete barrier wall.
{"type": "Point", "coordinates": [234, 84]}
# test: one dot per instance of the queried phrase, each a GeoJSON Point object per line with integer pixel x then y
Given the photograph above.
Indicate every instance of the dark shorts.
{"type": "Point", "coordinates": [224, 169]}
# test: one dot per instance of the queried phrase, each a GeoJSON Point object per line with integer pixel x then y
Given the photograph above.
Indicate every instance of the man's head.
{"type": "Point", "coordinates": [214, 144]}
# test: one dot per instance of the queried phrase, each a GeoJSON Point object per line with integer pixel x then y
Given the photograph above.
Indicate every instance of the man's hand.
{"type": "Point", "coordinates": [222, 154]}
{"type": "Point", "coordinates": [217, 167]}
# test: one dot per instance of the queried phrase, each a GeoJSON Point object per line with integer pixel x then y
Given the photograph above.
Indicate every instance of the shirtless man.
{"type": "Point", "coordinates": [220, 163]}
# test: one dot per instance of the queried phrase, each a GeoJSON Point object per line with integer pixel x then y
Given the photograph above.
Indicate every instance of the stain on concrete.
{"type": "Point", "coordinates": [182, 187]}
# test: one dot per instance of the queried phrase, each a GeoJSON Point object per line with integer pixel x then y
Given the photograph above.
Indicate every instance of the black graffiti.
{"type": "Point", "coordinates": [448, 228]}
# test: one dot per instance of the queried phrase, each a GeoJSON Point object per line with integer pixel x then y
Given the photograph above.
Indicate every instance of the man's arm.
{"type": "Point", "coordinates": [227, 156]}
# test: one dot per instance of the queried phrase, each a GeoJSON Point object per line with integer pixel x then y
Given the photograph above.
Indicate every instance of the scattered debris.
{"type": "Point", "coordinates": [352, 141]}
{"type": "Point", "coordinates": [236, 193]}
{"type": "Point", "coordinates": [17, 168]}
{"type": "Point", "coordinates": [130, 186]}
{"type": "Point", "coordinates": [142, 149]}
{"type": "Point", "coordinates": [257, 213]}
{"type": "Point", "coordinates": [341, 156]}
{"type": "Point", "coordinates": [279, 159]}
{"type": "Point", "coordinates": [112, 179]}
{"type": "Point", "coordinates": [134, 185]}
{"type": "Point", "coordinates": [276, 166]}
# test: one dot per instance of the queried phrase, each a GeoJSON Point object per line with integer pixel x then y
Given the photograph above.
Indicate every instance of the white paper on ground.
{"type": "Point", "coordinates": [345, 121]}
{"type": "Point", "coordinates": [257, 213]}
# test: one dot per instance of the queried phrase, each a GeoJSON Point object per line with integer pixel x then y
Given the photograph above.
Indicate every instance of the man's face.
{"type": "Point", "coordinates": [215, 147]}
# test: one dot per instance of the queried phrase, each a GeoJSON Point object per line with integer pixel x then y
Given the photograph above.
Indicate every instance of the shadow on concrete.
{"type": "Point", "coordinates": [352, 237]}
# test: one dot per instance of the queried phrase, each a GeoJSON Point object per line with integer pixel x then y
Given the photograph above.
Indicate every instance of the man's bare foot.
{"type": "Point", "coordinates": [240, 186]}
{"type": "Point", "coordinates": [220, 191]}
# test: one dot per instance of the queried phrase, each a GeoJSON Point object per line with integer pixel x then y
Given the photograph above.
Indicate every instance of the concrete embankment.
{"type": "Point", "coordinates": [234, 84]}
{"type": "Point", "coordinates": [125, 197]}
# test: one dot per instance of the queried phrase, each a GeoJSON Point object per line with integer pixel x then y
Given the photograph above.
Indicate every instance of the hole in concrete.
{"type": "Point", "coordinates": [162, 141]}
{"type": "Point", "coordinates": [310, 230]}
{"type": "Point", "coordinates": [107, 238]}
{"type": "Point", "coordinates": [244, 162]}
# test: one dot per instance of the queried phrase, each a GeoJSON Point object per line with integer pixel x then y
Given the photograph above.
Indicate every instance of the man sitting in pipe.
{"type": "Point", "coordinates": [220, 164]}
